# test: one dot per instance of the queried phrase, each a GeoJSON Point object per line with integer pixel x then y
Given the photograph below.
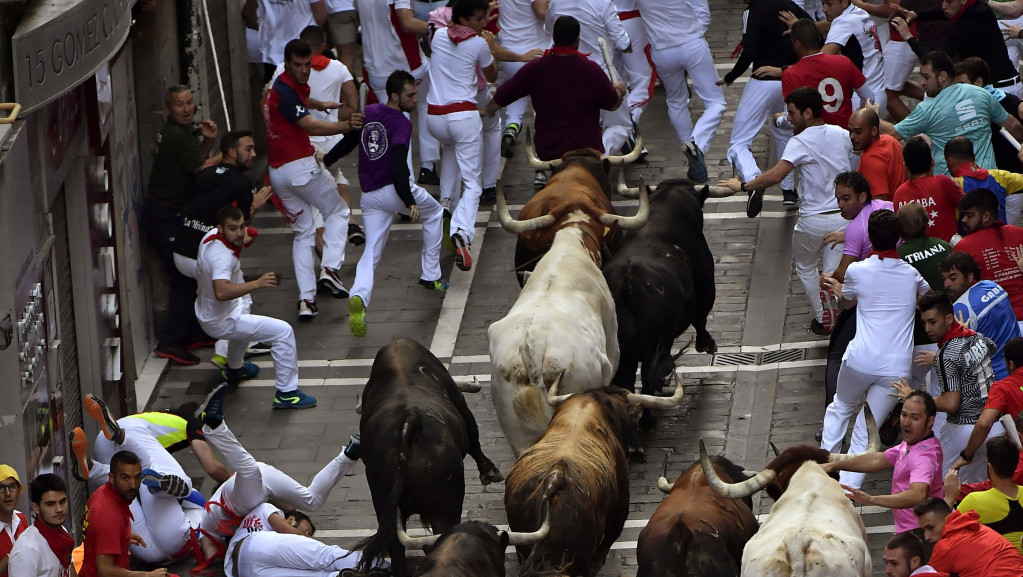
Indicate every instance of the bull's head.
{"type": "Point", "coordinates": [516, 538]}
{"type": "Point", "coordinates": [784, 466]}
{"type": "Point", "coordinates": [637, 400]}
{"type": "Point", "coordinates": [611, 160]}
{"type": "Point", "coordinates": [702, 192]}
{"type": "Point", "coordinates": [546, 221]}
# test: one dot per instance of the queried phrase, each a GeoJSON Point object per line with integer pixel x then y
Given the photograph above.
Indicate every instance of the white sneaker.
{"type": "Point", "coordinates": [307, 309]}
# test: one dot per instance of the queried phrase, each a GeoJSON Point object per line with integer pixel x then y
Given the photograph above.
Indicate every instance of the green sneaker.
{"type": "Point", "coordinates": [434, 285]}
{"type": "Point", "coordinates": [357, 316]}
{"type": "Point", "coordinates": [219, 361]}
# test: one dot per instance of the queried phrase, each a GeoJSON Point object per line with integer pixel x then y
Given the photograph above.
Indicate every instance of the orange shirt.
{"type": "Point", "coordinates": [882, 166]}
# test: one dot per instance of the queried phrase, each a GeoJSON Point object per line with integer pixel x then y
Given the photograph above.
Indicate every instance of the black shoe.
{"type": "Point", "coordinates": [427, 177]}
{"type": "Point", "coordinates": [211, 410]}
{"type": "Point", "coordinates": [819, 435]}
{"type": "Point", "coordinates": [889, 429]}
{"type": "Point", "coordinates": [176, 353]}
{"type": "Point", "coordinates": [508, 146]}
{"type": "Point", "coordinates": [755, 202]}
{"type": "Point", "coordinates": [818, 329]}
{"type": "Point", "coordinates": [355, 235]}
{"type": "Point", "coordinates": [697, 171]}
{"type": "Point", "coordinates": [789, 197]}
{"type": "Point", "coordinates": [489, 195]}
{"type": "Point", "coordinates": [352, 448]}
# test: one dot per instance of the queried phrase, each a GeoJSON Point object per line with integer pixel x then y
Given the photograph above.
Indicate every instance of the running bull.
{"type": "Point", "coordinates": [694, 532]}
{"type": "Point", "coordinates": [416, 430]}
{"type": "Point", "coordinates": [470, 549]}
{"type": "Point", "coordinates": [579, 467]}
{"type": "Point", "coordinates": [813, 529]}
{"type": "Point", "coordinates": [661, 277]}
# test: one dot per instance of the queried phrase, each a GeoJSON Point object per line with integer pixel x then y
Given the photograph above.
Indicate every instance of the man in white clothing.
{"type": "Point", "coordinates": [822, 152]}
{"type": "Point", "coordinates": [454, 118]}
{"type": "Point", "coordinates": [390, 41]}
{"type": "Point", "coordinates": [219, 308]}
{"type": "Point", "coordinates": [677, 48]}
{"type": "Point", "coordinates": [884, 288]}
{"type": "Point", "coordinates": [522, 30]}
{"type": "Point", "coordinates": [44, 549]}
{"type": "Point", "coordinates": [598, 18]}
{"type": "Point", "coordinates": [854, 34]}
{"type": "Point", "coordinates": [278, 21]}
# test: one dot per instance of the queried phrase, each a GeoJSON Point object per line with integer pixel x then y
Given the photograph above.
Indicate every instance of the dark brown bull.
{"type": "Point", "coordinates": [579, 467]}
{"type": "Point", "coordinates": [694, 532]}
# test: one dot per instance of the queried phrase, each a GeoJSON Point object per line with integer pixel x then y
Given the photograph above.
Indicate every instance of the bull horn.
{"type": "Point", "coordinates": [662, 481]}
{"type": "Point", "coordinates": [873, 441]}
{"type": "Point", "coordinates": [718, 191]}
{"type": "Point", "coordinates": [413, 542]}
{"type": "Point", "coordinates": [514, 225]}
{"type": "Point", "coordinates": [733, 490]}
{"type": "Point", "coordinates": [654, 402]}
{"type": "Point", "coordinates": [520, 539]}
{"type": "Point", "coordinates": [473, 387]}
{"type": "Point", "coordinates": [553, 398]}
{"type": "Point", "coordinates": [623, 159]}
{"type": "Point", "coordinates": [629, 191]}
{"type": "Point", "coordinates": [773, 448]}
{"type": "Point", "coordinates": [535, 161]}
{"type": "Point", "coordinates": [631, 222]}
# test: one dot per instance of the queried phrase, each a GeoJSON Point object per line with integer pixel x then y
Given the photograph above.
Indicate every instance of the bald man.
{"type": "Point", "coordinates": [880, 154]}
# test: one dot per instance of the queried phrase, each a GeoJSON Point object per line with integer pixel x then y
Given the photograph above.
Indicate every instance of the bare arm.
{"type": "Point", "coordinates": [214, 468]}
{"type": "Point", "coordinates": [1013, 9]}
{"type": "Point", "coordinates": [1014, 128]}
{"type": "Point", "coordinates": [865, 463]}
{"type": "Point", "coordinates": [324, 128]}
{"type": "Point", "coordinates": [319, 9]}
{"type": "Point", "coordinates": [882, 10]}
{"type": "Point", "coordinates": [106, 567]}
{"type": "Point", "coordinates": [948, 401]}
{"type": "Point", "coordinates": [540, 8]}
{"type": "Point", "coordinates": [832, 48]}
{"type": "Point", "coordinates": [839, 273]}
{"type": "Point", "coordinates": [250, 15]}
{"type": "Point", "coordinates": [916, 493]}
{"type": "Point", "coordinates": [280, 524]}
{"type": "Point", "coordinates": [981, 428]}
{"type": "Point", "coordinates": [771, 177]}
{"type": "Point", "coordinates": [226, 291]}
{"type": "Point", "coordinates": [409, 23]}
{"type": "Point", "coordinates": [349, 100]}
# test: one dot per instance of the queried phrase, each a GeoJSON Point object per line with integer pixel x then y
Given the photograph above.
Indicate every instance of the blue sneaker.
{"type": "Point", "coordinates": [697, 171]}
{"type": "Point", "coordinates": [211, 411]}
{"type": "Point", "coordinates": [245, 372]}
{"type": "Point", "coordinates": [294, 400]}
{"type": "Point", "coordinates": [170, 484]}
{"type": "Point", "coordinates": [434, 285]}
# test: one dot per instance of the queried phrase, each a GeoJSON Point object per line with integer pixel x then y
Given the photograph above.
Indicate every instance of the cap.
{"type": "Point", "coordinates": [8, 471]}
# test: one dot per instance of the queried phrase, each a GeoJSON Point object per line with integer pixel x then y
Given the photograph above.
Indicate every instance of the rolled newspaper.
{"type": "Point", "coordinates": [605, 51]}
{"type": "Point", "coordinates": [363, 94]}
{"type": "Point", "coordinates": [1010, 430]}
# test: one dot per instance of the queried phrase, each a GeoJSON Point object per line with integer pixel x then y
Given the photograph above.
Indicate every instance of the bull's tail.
{"type": "Point", "coordinates": [533, 564]}
{"type": "Point", "coordinates": [384, 543]}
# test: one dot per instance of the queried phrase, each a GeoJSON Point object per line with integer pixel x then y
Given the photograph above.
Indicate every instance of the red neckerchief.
{"type": "Point", "coordinates": [320, 62]}
{"type": "Point", "coordinates": [966, 5]}
{"type": "Point", "coordinates": [956, 330]}
{"type": "Point", "coordinates": [562, 50]}
{"type": "Point", "coordinates": [972, 170]}
{"type": "Point", "coordinates": [458, 33]}
{"type": "Point", "coordinates": [60, 542]}
{"type": "Point", "coordinates": [883, 254]}
{"type": "Point", "coordinates": [237, 250]}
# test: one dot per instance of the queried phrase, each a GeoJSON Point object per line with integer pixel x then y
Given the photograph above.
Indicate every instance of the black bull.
{"type": "Point", "coordinates": [662, 280]}
{"type": "Point", "coordinates": [416, 431]}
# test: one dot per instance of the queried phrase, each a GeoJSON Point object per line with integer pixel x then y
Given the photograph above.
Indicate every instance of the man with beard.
{"type": "Point", "coordinates": [12, 522]}
{"type": "Point", "coordinates": [108, 522]}
{"type": "Point", "coordinates": [993, 244]}
{"type": "Point", "coordinates": [880, 154]}
{"type": "Point", "coordinates": [44, 550]}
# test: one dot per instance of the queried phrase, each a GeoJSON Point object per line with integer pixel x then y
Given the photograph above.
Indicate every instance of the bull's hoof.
{"type": "Point", "coordinates": [491, 476]}
{"type": "Point", "coordinates": [637, 455]}
{"type": "Point", "coordinates": [706, 344]}
{"type": "Point", "coordinates": [647, 422]}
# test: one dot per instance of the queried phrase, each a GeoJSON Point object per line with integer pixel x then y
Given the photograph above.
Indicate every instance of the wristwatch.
{"type": "Point", "coordinates": [962, 454]}
{"type": "Point", "coordinates": [742, 186]}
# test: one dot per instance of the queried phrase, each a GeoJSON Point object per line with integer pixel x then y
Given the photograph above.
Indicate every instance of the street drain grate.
{"type": "Point", "coordinates": [765, 358]}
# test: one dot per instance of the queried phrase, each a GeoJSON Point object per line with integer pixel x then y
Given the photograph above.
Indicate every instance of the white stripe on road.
{"type": "Point", "coordinates": [453, 306]}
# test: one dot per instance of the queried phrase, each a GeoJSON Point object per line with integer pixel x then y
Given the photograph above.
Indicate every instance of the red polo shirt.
{"type": "Point", "coordinates": [284, 107]}
{"type": "Point", "coordinates": [107, 529]}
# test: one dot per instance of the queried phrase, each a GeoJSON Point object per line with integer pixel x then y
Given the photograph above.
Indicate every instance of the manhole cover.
{"type": "Point", "coordinates": [726, 359]}
{"type": "Point", "coordinates": [782, 356]}
{"type": "Point", "coordinates": [766, 358]}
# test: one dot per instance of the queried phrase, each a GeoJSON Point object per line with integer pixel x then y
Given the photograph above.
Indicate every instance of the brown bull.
{"type": "Point", "coordinates": [694, 532]}
{"type": "Point", "coordinates": [579, 466]}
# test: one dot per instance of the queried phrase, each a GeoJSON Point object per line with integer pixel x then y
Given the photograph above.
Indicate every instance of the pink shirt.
{"type": "Point", "coordinates": [919, 463]}
{"type": "Point", "coordinates": [857, 243]}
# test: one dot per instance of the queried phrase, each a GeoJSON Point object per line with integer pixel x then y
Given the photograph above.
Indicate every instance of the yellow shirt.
{"type": "Point", "coordinates": [998, 511]}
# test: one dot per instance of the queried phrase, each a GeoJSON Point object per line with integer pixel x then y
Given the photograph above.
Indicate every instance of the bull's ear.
{"type": "Point", "coordinates": [702, 194]}
{"type": "Point", "coordinates": [503, 538]}
{"type": "Point", "coordinates": [607, 166]}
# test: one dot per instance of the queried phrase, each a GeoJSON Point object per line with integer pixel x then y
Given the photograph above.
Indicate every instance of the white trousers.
{"type": "Point", "coordinates": [637, 67]}
{"type": "Point", "coordinates": [461, 138]}
{"type": "Point", "coordinates": [808, 246]}
{"type": "Point", "coordinates": [852, 384]}
{"type": "Point", "coordinates": [672, 64]}
{"type": "Point", "coordinates": [139, 440]}
{"type": "Point", "coordinates": [378, 209]}
{"type": "Point", "coordinates": [272, 554]}
{"type": "Point", "coordinates": [1013, 208]}
{"type": "Point", "coordinates": [255, 483]}
{"type": "Point", "coordinates": [302, 184]}
{"type": "Point", "coordinates": [926, 376]}
{"type": "Point", "coordinates": [162, 524]}
{"type": "Point", "coordinates": [491, 150]}
{"type": "Point", "coordinates": [953, 440]}
{"type": "Point", "coordinates": [760, 100]}
{"type": "Point", "coordinates": [248, 328]}
{"type": "Point", "coordinates": [188, 267]}
{"type": "Point", "coordinates": [429, 146]}
{"type": "Point", "coordinates": [513, 113]}
{"type": "Point", "coordinates": [899, 62]}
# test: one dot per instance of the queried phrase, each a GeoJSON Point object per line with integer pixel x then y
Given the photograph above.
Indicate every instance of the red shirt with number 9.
{"type": "Point", "coordinates": [834, 76]}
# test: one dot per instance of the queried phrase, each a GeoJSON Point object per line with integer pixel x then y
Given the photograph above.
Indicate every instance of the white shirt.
{"type": "Point", "coordinates": [32, 557]}
{"type": "Point", "coordinates": [12, 528]}
{"type": "Point", "coordinates": [521, 30]}
{"type": "Point", "coordinates": [820, 153]}
{"type": "Point", "coordinates": [334, 6]}
{"type": "Point", "coordinates": [382, 51]}
{"type": "Point", "coordinates": [256, 521]}
{"type": "Point", "coordinates": [596, 18]}
{"type": "Point", "coordinates": [857, 23]}
{"type": "Point", "coordinates": [885, 292]}
{"type": "Point", "coordinates": [453, 73]}
{"type": "Point", "coordinates": [216, 262]}
{"type": "Point", "coordinates": [324, 85]}
{"type": "Point", "coordinates": [282, 21]}
{"type": "Point", "coordinates": [674, 22]}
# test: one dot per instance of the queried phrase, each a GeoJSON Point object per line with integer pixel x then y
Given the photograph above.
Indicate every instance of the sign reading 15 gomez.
{"type": "Point", "coordinates": [61, 43]}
